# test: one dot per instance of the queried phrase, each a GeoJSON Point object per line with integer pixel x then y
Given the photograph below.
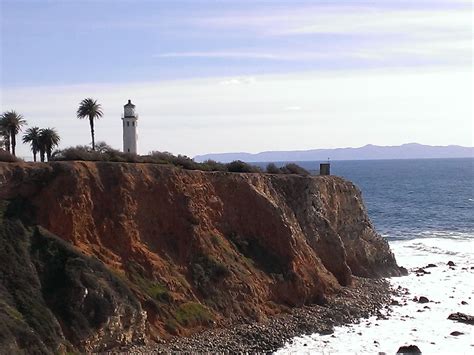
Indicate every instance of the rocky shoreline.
{"type": "Point", "coordinates": [367, 297]}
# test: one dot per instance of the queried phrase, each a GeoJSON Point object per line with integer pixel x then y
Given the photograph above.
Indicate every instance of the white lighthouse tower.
{"type": "Point", "coordinates": [129, 128]}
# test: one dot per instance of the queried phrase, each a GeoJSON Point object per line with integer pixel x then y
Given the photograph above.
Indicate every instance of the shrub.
{"type": "Point", "coordinates": [192, 313]}
{"type": "Point", "coordinates": [238, 166]}
{"type": "Point", "coordinates": [205, 271]}
{"type": "Point", "coordinates": [182, 161]}
{"type": "Point", "coordinates": [292, 168]}
{"type": "Point", "coordinates": [104, 152]}
{"type": "Point", "coordinates": [258, 254]}
{"type": "Point", "coordinates": [212, 165]}
{"type": "Point", "coordinates": [154, 158]}
{"type": "Point", "coordinates": [7, 157]}
{"type": "Point", "coordinates": [154, 289]}
{"type": "Point", "coordinates": [185, 162]}
{"type": "Point", "coordinates": [273, 169]}
{"type": "Point", "coordinates": [102, 147]}
{"type": "Point", "coordinates": [159, 292]}
{"type": "Point", "coordinates": [77, 153]}
{"type": "Point", "coordinates": [171, 326]}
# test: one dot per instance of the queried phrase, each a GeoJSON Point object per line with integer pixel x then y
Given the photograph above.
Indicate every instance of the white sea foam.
{"type": "Point", "coordinates": [429, 329]}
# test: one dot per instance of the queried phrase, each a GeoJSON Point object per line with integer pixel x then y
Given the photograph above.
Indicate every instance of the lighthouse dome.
{"type": "Point", "coordinates": [129, 104]}
{"type": "Point", "coordinates": [129, 109]}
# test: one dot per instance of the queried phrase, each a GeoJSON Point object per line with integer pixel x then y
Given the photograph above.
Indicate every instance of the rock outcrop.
{"type": "Point", "coordinates": [183, 249]}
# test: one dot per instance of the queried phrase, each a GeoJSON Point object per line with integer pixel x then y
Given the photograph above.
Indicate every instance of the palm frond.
{"type": "Point", "coordinates": [89, 108]}
{"type": "Point", "coordinates": [12, 122]}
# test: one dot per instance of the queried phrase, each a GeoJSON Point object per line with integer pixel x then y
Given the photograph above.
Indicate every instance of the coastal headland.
{"type": "Point", "coordinates": [100, 255]}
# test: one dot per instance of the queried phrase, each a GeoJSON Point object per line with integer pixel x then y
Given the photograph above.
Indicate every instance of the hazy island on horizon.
{"type": "Point", "coordinates": [367, 152]}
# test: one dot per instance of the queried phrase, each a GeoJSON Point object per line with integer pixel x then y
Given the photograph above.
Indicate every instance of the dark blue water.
{"type": "Point", "coordinates": [414, 198]}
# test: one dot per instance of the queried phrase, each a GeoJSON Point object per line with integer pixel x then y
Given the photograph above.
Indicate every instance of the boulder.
{"type": "Point", "coordinates": [409, 349]}
{"type": "Point", "coordinates": [461, 317]}
{"type": "Point", "coordinates": [423, 299]}
{"type": "Point", "coordinates": [421, 271]}
{"type": "Point", "coordinates": [450, 263]}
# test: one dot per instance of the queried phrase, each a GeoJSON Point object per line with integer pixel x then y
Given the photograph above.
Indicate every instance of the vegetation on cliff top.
{"type": "Point", "coordinates": [104, 152]}
{"type": "Point", "coordinates": [8, 157]}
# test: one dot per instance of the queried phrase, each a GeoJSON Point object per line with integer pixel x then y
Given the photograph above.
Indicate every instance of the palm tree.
{"type": "Point", "coordinates": [32, 136]}
{"type": "Point", "coordinates": [89, 108]}
{"type": "Point", "coordinates": [11, 123]}
{"type": "Point", "coordinates": [48, 139]}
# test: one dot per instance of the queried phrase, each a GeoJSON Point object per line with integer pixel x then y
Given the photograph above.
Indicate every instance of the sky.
{"type": "Point", "coordinates": [244, 75]}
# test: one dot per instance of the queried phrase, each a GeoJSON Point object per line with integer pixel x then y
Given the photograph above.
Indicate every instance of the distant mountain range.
{"type": "Point", "coordinates": [367, 152]}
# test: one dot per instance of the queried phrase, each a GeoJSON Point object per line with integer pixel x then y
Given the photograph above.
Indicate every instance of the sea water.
{"type": "Point", "coordinates": [425, 209]}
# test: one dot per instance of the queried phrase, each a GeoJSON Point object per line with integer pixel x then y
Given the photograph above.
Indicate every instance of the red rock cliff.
{"type": "Point", "coordinates": [197, 247]}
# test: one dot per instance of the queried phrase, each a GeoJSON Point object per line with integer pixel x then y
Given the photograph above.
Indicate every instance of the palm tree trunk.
{"type": "Point", "coordinates": [42, 155]}
{"type": "Point", "coordinates": [91, 121]}
{"type": "Point", "coordinates": [48, 154]}
{"type": "Point", "coordinates": [6, 142]}
{"type": "Point", "coordinates": [13, 142]}
{"type": "Point", "coordinates": [34, 155]}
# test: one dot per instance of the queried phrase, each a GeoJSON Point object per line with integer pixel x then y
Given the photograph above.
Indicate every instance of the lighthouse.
{"type": "Point", "coordinates": [129, 128]}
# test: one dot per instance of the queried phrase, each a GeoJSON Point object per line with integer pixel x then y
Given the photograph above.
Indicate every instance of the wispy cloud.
{"type": "Point", "coordinates": [222, 55]}
{"type": "Point", "coordinates": [401, 52]}
{"type": "Point", "coordinates": [373, 20]}
{"type": "Point", "coordinates": [239, 81]}
{"type": "Point", "coordinates": [247, 55]}
{"type": "Point", "coordinates": [376, 33]}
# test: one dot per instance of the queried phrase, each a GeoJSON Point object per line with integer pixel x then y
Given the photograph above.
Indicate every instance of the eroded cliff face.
{"type": "Point", "coordinates": [198, 248]}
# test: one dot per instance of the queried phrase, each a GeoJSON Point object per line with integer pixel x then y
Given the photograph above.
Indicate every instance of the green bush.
{"type": "Point", "coordinates": [77, 153]}
{"type": "Point", "coordinates": [182, 161]}
{"type": "Point", "coordinates": [273, 169]}
{"type": "Point", "coordinates": [154, 289]}
{"type": "Point", "coordinates": [205, 271]}
{"type": "Point", "coordinates": [212, 165]}
{"type": "Point", "coordinates": [192, 313]}
{"type": "Point", "coordinates": [171, 326]}
{"type": "Point", "coordinates": [104, 152]}
{"type": "Point", "coordinates": [292, 168]}
{"type": "Point", "coordinates": [159, 292]}
{"type": "Point", "coordinates": [238, 166]}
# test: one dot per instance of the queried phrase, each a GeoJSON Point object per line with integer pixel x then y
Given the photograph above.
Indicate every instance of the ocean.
{"type": "Point", "coordinates": [425, 209]}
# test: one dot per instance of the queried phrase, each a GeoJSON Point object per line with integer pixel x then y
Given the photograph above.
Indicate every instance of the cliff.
{"type": "Point", "coordinates": [154, 250]}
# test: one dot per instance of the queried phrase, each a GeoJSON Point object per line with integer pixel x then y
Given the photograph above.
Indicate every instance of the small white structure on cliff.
{"type": "Point", "coordinates": [130, 135]}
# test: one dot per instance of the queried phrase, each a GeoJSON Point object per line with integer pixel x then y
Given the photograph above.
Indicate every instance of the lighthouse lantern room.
{"type": "Point", "coordinates": [130, 136]}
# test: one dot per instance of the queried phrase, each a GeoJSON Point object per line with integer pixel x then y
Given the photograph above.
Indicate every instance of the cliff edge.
{"type": "Point", "coordinates": [154, 250]}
